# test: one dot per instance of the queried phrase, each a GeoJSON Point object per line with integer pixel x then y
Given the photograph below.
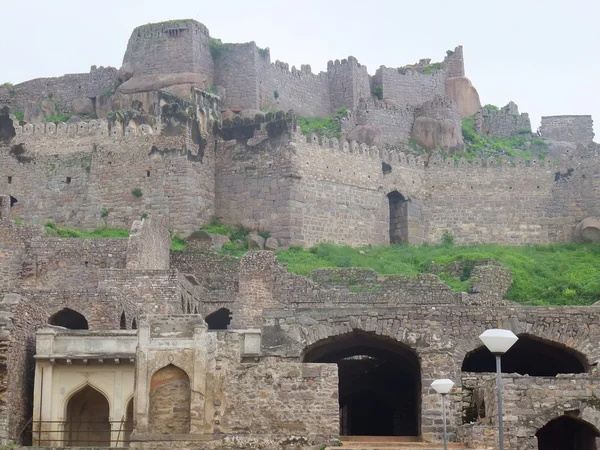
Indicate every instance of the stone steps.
{"type": "Point", "coordinates": [392, 443]}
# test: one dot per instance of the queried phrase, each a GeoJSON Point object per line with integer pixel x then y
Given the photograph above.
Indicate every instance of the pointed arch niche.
{"type": "Point", "coordinates": [567, 433]}
{"type": "Point", "coordinates": [70, 319]}
{"type": "Point", "coordinates": [170, 397]}
{"type": "Point", "coordinates": [87, 423]}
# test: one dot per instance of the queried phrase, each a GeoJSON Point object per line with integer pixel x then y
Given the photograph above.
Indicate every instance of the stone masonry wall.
{"type": "Point", "coordinates": [348, 83]}
{"type": "Point", "coordinates": [577, 129]}
{"type": "Point", "coordinates": [149, 245]}
{"type": "Point", "coordinates": [236, 70]}
{"type": "Point", "coordinates": [176, 46]}
{"type": "Point", "coordinates": [411, 87]}
{"type": "Point", "coordinates": [73, 175]}
{"type": "Point", "coordinates": [62, 90]}
{"type": "Point", "coordinates": [503, 122]}
{"type": "Point", "coordinates": [301, 90]}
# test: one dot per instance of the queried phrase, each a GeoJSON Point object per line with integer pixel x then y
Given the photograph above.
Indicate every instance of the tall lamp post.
{"type": "Point", "coordinates": [499, 342]}
{"type": "Point", "coordinates": [443, 386]}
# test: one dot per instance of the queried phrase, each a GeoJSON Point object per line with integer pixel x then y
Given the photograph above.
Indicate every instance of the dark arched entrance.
{"type": "Point", "coordinates": [379, 384]}
{"type": "Point", "coordinates": [529, 356]}
{"type": "Point", "coordinates": [219, 320]}
{"type": "Point", "coordinates": [69, 319]}
{"type": "Point", "coordinates": [567, 433]}
{"type": "Point", "coordinates": [398, 218]}
{"type": "Point", "coordinates": [87, 422]}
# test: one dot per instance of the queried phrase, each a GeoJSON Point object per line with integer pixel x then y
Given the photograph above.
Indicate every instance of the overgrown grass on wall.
{"type": "Point", "coordinates": [99, 232]}
{"type": "Point", "coordinates": [329, 126]}
{"type": "Point", "coordinates": [521, 145]}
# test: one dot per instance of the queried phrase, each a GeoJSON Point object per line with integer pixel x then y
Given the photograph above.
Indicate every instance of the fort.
{"type": "Point", "coordinates": [115, 342]}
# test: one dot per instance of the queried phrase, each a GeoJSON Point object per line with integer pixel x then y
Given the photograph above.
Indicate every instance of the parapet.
{"type": "Point", "coordinates": [98, 127]}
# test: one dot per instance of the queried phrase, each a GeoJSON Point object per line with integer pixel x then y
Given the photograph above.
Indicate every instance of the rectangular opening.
{"type": "Point", "coordinates": [68, 180]}
{"type": "Point", "coordinates": [148, 173]}
{"type": "Point", "coordinates": [9, 180]}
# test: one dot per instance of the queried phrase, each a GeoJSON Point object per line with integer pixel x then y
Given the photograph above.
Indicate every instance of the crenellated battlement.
{"type": "Point", "coordinates": [100, 127]}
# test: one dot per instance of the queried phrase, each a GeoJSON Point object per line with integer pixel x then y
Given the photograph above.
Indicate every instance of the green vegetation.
{"type": "Point", "coordinates": [18, 221]}
{"type": "Point", "coordinates": [104, 213]}
{"type": "Point", "coordinates": [329, 126]}
{"type": "Point", "coordinates": [109, 90]}
{"type": "Point", "coordinates": [99, 232]}
{"type": "Point", "coordinates": [217, 47]}
{"type": "Point", "coordinates": [19, 115]}
{"type": "Point", "coordinates": [264, 51]}
{"type": "Point", "coordinates": [433, 67]}
{"type": "Point", "coordinates": [276, 94]}
{"type": "Point", "coordinates": [144, 215]}
{"type": "Point", "coordinates": [555, 274]}
{"type": "Point", "coordinates": [6, 84]}
{"type": "Point", "coordinates": [492, 107]}
{"type": "Point", "coordinates": [521, 145]}
{"type": "Point", "coordinates": [58, 117]}
{"type": "Point", "coordinates": [177, 242]}
{"type": "Point", "coordinates": [378, 92]}
{"type": "Point", "coordinates": [211, 90]}
{"type": "Point", "coordinates": [449, 53]}
{"type": "Point", "coordinates": [136, 192]}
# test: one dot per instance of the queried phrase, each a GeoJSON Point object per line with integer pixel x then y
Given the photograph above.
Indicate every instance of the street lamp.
{"type": "Point", "coordinates": [499, 342]}
{"type": "Point", "coordinates": [443, 386]}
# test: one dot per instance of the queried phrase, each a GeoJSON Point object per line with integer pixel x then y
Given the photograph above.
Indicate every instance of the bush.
{"type": "Point", "coordinates": [99, 232]}
{"type": "Point", "coordinates": [104, 213]}
{"type": "Point", "coordinates": [143, 216]}
{"type": "Point", "coordinates": [378, 92]}
{"type": "Point", "coordinates": [177, 242]}
{"type": "Point", "coordinates": [137, 192]}
{"type": "Point", "coordinates": [447, 238]}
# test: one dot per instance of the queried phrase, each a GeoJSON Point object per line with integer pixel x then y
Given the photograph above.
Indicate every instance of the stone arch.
{"type": "Point", "coordinates": [530, 355]}
{"type": "Point", "coordinates": [170, 398]}
{"type": "Point", "coordinates": [398, 229]}
{"type": "Point", "coordinates": [134, 324]}
{"type": "Point", "coordinates": [218, 320]}
{"type": "Point", "coordinates": [567, 433]}
{"type": "Point", "coordinates": [379, 383]}
{"type": "Point", "coordinates": [70, 319]}
{"type": "Point", "coordinates": [87, 418]}
{"type": "Point", "coordinates": [123, 322]}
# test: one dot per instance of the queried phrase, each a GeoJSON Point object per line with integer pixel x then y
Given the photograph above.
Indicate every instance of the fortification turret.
{"type": "Point", "coordinates": [170, 53]}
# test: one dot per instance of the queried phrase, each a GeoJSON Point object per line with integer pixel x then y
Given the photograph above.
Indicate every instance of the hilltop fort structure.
{"type": "Point", "coordinates": [124, 342]}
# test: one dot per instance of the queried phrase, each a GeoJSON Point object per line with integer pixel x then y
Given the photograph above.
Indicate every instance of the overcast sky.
{"type": "Point", "coordinates": [542, 54]}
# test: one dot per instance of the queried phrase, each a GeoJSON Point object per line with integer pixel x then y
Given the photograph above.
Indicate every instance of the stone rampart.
{"type": "Point", "coordinates": [61, 90]}
{"type": "Point", "coordinates": [577, 129]}
{"type": "Point", "coordinates": [348, 83]}
{"type": "Point", "coordinates": [408, 86]}
{"type": "Point", "coordinates": [502, 122]}
{"type": "Point", "coordinates": [236, 70]}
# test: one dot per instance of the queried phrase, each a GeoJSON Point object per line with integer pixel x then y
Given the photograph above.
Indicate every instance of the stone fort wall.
{"type": "Point", "coordinates": [71, 174]}
{"type": "Point", "coordinates": [577, 129]}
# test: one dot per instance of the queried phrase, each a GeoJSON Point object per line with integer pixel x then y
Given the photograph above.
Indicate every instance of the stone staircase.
{"type": "Point", "coordinates": [392, 443]}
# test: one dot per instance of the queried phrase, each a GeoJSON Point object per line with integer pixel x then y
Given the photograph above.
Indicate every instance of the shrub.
{"type": "Point", "coordinates": [59, 117]}
{"type": "Point", "coordinates": [276, 94]}
{"type": "Point", "coordinates": [143, 216]}
{"type": "Point", "coordinates": [177, 242]}
{"type": "Point", "coordinates": [136, 192]}
{"type": "Point", "coordinates": [6, 84]}
{"type": "Point", "coordinates": [18, 221]}
{"type": "Point", "coordinates": [104, 213]}
{"type": "Point", "coordinates": [447, 238]}
{"type": "Point", "coordinates": [378, 92]}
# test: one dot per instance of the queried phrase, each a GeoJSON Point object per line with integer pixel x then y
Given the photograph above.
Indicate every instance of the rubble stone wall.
{"type": "Point", "coordinates": [577, 129]}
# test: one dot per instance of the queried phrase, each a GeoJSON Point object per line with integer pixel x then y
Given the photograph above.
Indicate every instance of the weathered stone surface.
{"type": "Point", "coordinates": [271, 244]}
{"type": "Point", "coordinates": [48, 107]}
{"type": "Point", "coordinates": [256, 242]}
{"type": "Point", "coordinates": [145, 83]}
{"type": "Point", "coordinates": [369, 134]}
{"type": "Point", "coordinates": [588, 230]}
{"type": "Point", "coordinates": [464, 94]}
{"type": "Point", "coordinates": [126, 71]}
{"type": "Point", "coordinates": [33, 113]}
{"type": "Point", "coordinates": [433, 134]}
{"type": "Point", "coordinates": [83, 105]}
{"type": "Point", "coordinates": [201, 240]}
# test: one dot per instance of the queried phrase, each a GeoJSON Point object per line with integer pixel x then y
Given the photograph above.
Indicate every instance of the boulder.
{"type": "Point", "coordinates": [48, 107]}
{"type": "Point", "coordinates": [201, 240]}
{"type": "Point", "coordinates": [125, 72]}
{"type": "Point", "coordinates": [462, 92]}
{"type": "Point", "coordinates": [271, 244]}
{"type": "Point", "coordinates": [148, 83]}
{"type": "Point", "coordinates": [75, 119]}
{"type": "Point", "coordinates": [83, 105]}
{"type": "Point", "coordinates": [256, 242]}
{"type": "Point", "coordinates": [431, 134]}
{"type": "Point", "coordinates": [588, 230]}
{"type": "Point", "coordinates": [368, 134]}
{"type": "Point", "coordinates": [33, 113]}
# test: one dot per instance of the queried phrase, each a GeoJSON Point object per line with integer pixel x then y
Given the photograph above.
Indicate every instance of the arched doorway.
{"type": "Point", "coordinates": [567, 433]}
{"type": "Point", "coordinates": [88, 422]}
{"type": "Point", "coordinates": [70, 319]}
{"type": "Point", "coordinates": [170, 396]}
{"type": "Point", "coordinates": [379, 384]}
{"type": "Point", "coordinates": [219, 320]}
{"type": "Point", "coordinates": [529, 356]}
{"type": "Point", "coordinates": [123, 322]}
{"type": "Point", "coordinates": [398, 218]}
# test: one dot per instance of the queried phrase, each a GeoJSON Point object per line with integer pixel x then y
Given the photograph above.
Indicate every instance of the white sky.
{"type": "Point", "coordinates": [542, 54]}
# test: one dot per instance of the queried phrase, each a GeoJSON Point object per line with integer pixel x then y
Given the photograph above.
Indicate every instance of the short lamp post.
{"type": "Point", "coordinates": [499, 342]}
{"type": "Point", "coordinates": [443, 386]}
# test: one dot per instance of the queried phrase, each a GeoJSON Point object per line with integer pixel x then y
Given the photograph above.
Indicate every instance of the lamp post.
{"type": "Point", "coordinates": [443, 386]}
{"type": "Point", "coordinates": [499, 342]}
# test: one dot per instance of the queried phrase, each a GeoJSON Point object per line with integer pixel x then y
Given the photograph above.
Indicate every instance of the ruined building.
{"type": "Point", "coordinates": [124, 342]}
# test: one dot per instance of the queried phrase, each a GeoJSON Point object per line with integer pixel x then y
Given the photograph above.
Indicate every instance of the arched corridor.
{"type": "Point", "coordinates": [567, 433]}
{"type": "Point", "coordinates": [70, 319]}
{"type": "Point", "coordinates": [87, 422]}
{"type": "Point", "coordinates": [529, 356]}
{"type": "Point", "coordinates": [379, 384]}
